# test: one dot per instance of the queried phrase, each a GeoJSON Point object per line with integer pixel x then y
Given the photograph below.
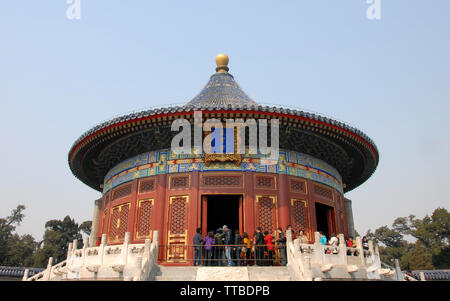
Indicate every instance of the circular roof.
{"type": "Point", "coordinates": [346, 148]}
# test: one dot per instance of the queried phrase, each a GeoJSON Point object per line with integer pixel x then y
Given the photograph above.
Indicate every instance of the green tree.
{"type": "Point", "coordinates": [86, 227]}
{"type": "Point", "coordinates": [8, 239]}
{"type": "Point", "coordinates": [20, 251]}
{"type": "Point", "coordinates": [58, 234]}
{"type": "Point", "coordinates": [430, 249]}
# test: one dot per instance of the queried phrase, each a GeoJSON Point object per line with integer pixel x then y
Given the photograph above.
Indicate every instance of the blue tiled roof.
{"type": "Point", "coordinates": [18, 271]}
{"type": "Point", "coordinates": [221, 90]}
{"type": "Point", "coordinates": [433, 274]}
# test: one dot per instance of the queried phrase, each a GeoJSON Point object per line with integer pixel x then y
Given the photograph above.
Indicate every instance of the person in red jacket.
{"type": "Point", "coordinates": [268, 241]}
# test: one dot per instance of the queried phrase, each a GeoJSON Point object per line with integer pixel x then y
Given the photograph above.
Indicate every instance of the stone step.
{"type": "Point", "coordinates": [268, 274]}
{"type": "Point", "coordinates": [187, 273]}
{"type": "Point", "coordinates": [167, 273]}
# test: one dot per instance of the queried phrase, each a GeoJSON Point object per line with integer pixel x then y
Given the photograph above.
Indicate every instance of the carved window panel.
{"type": "Point", "coordinates": [323, 192]}
{"type": "Point", "coordinates": [122, 192]}
{"type": "Point", "coordinates": [265, 182]}
{"type": "Point", "coordinates": [298, 186]}
{"type": "Point", "coordinates": [221, 181]}
{"type": "Point", "coordinates": [147, 185]}
{"type": "Point", "coordinates": [180, 182]}
{"type": "Point", "coordinates": [144, 219]}
{"type": "Point", "coordinates": [266, 213]}
{"type": "Point", "coordinates": [118, 223]}
{"type": "Point", "coordinates": [299, 215]}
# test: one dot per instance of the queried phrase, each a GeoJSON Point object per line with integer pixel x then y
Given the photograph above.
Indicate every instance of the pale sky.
{"type": "Point", "coordinates": [390, 78]}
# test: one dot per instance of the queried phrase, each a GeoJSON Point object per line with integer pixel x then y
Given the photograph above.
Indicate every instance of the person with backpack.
{"type": "Point", "coordinates": [281, 246]}
{"type": "Point", "coordinates": [238, 247]}
{"type": "Point", "coordinates": [218, 248]}
{"type": "Point", "coordinates": [247, 248]}
{"type": "Point", "coordinates": [259, 246]}
{"type": "Point", "coordinates": [209, 241]}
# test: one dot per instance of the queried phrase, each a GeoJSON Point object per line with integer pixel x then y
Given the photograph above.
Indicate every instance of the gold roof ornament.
{"type": "Point", "coordinates": [222, 63]}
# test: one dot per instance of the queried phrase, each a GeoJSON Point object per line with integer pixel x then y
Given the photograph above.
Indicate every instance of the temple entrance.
{"type": "Point", "coordinates": [325, 219]}
{"type": "Point", "coordinates": [221, 209]}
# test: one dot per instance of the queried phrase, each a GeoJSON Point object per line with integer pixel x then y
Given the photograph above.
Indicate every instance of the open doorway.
{"type": "Point", "coordinates": [220, 210]}
{"type": "Point", "coordinates": [325, 219]}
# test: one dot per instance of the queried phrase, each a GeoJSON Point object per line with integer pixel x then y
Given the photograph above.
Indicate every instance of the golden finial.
{"type": "Point", "coordinates": [222, 63]}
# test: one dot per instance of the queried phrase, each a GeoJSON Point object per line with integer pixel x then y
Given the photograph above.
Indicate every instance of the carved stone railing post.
{"type": "Point", "coordinates": [74, 246]}
{"type": "Point", "coordinates": [69, 251]}
{"type": "Point", "coordinates": [85, 246]}
{"type": "Point", "coordinates": [49, 268]}
{"type": "Point", "coordinates": [25, 275]}
{"type": "Point", "coordinates": [138, 268]}
{"type": "Point", "coordinates": [371, 250]}
{"type": "Point", "coordinates": [101, 250]}
{"type": "Point", "coordinates": [342, 249]}
{"type": "Point", "coordinates": [307, 273]}
{"type": "Point", "coordinates": [360, 250]}
{"type": "Point", "coordinates": [125, 244]}
{"type": "Point", "coordinates": [288, 236]}
{"type": "Point", "coordinates": [319, 251]}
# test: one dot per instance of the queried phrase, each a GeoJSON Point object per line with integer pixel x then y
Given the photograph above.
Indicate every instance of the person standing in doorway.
{"type": "Point", "coordinates": [247, 249]}
{"type": "Point", "coordinates": [229, 240]}
{"type": "Point", "coordinates": [218, 248]}
{"type": "Point", "coordinates": [259, 246]}
{"type": "Point", "coordinates": [210, 241]}
{"type": "Point", "coordinates": [198, 247]}
{"type": "Point", "coordinates": [238, 247]}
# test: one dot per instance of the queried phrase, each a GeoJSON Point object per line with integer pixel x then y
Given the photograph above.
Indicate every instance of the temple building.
{"type": "Point", "coordinates": [147, 187]}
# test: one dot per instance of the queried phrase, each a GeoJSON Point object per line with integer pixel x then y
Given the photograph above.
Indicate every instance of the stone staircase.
{"type": "Point", "coordinates": [190, 273]}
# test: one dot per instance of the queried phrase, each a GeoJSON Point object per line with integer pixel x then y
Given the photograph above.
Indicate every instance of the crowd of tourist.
{"type": "Point", "coordinates": [225, 247]}
{"type": "Point", "coordinates": [350, 243]}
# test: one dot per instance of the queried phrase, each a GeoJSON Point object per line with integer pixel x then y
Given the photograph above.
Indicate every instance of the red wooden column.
{"type": "Point", "coordinates": [204, 221]}
{"type": "Point", "coordinates": [132, 213]}
{"type": "Point", "coordinates": [161, 208]}
{"type": "Point", "coordinates": [249, 204]}
{"type": "Point", "coordinates": [193, 211]}
{"type": "Point", "coordinates": [311, 210]}
{"type": "Point", "coordinates": [194, 214]}
{"type": "Point", "coordinates": [283, 202]}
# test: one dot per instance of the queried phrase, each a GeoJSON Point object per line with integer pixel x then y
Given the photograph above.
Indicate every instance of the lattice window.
{"type": "Point", "coordinates": [118, 222]}
{"type": "Point", "coordinates": [264, 182]}
{"type": "Point", "coordinates": [144, 218]}
{"type": "Point", "coordinates": [123, 223]}
{"type": "Point", "coordinates": [178, 214]}
{"type": "Point", "coordinates": [147, 186]}
{"type": "Point", "coordinates": [299, 215]}
{"type": "Point", "coordinates": [221, 180]}
{"type": "Point", "coordinates": [298, 186]}
{"type": "Point", "coordinates": [265, 213]}
{"type": "Point", "coordinates": [179, 182]}
{"type": "Point", "coordinates": [113, 223]}
{"type": "Point", "coordinates": [322, 191]}
{"type": "Point", "coordinates": [121, 192]}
